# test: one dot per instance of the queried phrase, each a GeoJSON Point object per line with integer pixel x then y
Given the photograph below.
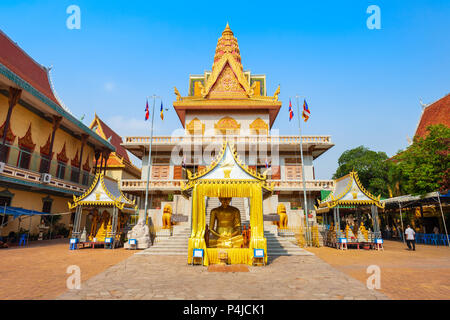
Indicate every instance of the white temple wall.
{"type": "Point", "coordinates": [209, 120]}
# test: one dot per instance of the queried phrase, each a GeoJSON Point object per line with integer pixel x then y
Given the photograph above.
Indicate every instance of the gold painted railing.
{"type": "Point", "coordinates": [239, 139]}
{"type": "Point", "coordinates": [129, 185]}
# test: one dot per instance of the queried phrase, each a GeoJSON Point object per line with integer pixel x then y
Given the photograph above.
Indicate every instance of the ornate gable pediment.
{"type": "Point", "coordinates": [86, 166]}
{"type": "Point", "coordinates": [195, 126]}
{"type": "Point", "coordinates": [27, 141]}
{"type": "Point", "coordinates": [227, 125]}
{"type": "Point", "coordinates": [62, 157]}
{"type": "Point", "coordinates": [259, 126]}
{"type": "Point", "coordinates": [231, 76]}
{"type": "Point", "coordinates": [10, 137]}
{"type": "Point", "coordinates": [45, 149]}
{"type": "Point", "coordinates": [75, 162]}
{"type": "Point", "coordinates": [227, 85]}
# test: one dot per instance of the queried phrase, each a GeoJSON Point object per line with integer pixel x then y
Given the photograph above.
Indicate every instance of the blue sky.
{"type": "Point", "coordinates": [362, 86]}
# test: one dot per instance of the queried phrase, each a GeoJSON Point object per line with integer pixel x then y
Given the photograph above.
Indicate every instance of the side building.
{"type": "Point", "coordinates": [46, 154]}
{"type": "Point", "coordinates": [228, 103]}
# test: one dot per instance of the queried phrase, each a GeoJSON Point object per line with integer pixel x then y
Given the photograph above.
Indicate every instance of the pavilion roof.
{"type": "Point", "coordinates": [103, 192]}
{"type": "Point", "coordinates": [348, 190]}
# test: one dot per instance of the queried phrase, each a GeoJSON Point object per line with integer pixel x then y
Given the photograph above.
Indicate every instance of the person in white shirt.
{"type": "Point", "coordinates": [410, 238]}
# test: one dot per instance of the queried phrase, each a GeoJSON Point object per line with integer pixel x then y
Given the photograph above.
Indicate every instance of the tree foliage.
{"type": "Point", "coordinates": [425, 164]}
{"type": "Point", "coordinates": [371, 166]}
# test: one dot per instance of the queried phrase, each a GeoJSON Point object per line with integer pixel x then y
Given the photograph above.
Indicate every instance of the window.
{"type": "Point", "coordinates": [75, 175]}
{"type": "Point", "coordinates": [45, 164]}
{"type": "Point", "coordinates": [4, 152]}
{"type": "Point", "coordinates": [293, 172]}
{"type": "Point", "coordinates": [160, 172]}
{"type": "Point", "coordinates": [61, 171]}
{"type": "Point", "coordinates": [85, 178]}
{"type": "Point", "coordinates": [24, 158]}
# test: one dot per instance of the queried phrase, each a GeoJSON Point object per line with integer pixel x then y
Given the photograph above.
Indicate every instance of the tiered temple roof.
{"type": "Point", "coordinates": [227, 86]}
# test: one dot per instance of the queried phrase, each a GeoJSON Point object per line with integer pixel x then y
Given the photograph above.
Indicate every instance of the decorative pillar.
{"type": "Point", "coordinates": [84, 138]}
{"type": "Point", "coordinates": [97, 156]}
{"type": "Point", "coordinates": [13, 99]}
{"type": "Point", "coordinates": [56, 123]}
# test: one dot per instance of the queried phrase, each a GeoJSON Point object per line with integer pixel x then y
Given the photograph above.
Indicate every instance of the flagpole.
{"type": "Point", "coordinates": [149, 158]}
{"type": "Point", "coordinates": [308, 234]}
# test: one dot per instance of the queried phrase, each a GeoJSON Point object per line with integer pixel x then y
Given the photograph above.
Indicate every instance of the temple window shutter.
{"type": "Point", "coordinates": [160, 172]}
{"type": "Point", "coordinates": [276, 173]}
{"type": "Point", "coordinates": [293, 172]}
{"type": "Point", "coordinates": [177, 172]}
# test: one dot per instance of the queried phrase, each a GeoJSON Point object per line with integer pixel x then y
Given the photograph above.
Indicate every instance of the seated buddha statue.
{"type": "Point", "coordinates": [225, 226]}
{"type": "Point", "coordinates": [105, 227]}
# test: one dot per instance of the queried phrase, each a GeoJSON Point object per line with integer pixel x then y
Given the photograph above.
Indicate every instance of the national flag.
{"type": "Point", "coordinates": [147, 114]}
{"type": "Point", "coordinates": [291, 112]}
{"type": "Point", "coordinates": [183, 162]}
{"type": "Point", "coordinates": [162, 111]}
{"type": "Point", "coordinates": [306, 113]}
{"type": "Point", "coordinates": [267, 164]}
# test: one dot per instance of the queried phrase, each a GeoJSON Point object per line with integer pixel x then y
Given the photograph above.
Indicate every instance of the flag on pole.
{"type": "Point", "coordinates": [291, 112]}
{"type": "Point", "coordinates": [267, 164]}
{"type": "Point", "coordinates": [162, 112]}
{"type": "Point", "coordinates": [306, 113]}
{"type": "Point", "coordinates": [147, 114]}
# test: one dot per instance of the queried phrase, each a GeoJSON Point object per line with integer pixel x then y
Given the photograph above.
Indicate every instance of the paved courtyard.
{"type": "Point", "coordinates": [169, 277]}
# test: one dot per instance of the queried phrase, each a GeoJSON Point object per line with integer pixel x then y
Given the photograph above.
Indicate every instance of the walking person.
{"type": "Point", "coordinates": [410, 238]}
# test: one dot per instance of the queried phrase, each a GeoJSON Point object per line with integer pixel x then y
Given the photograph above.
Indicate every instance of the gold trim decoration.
{"type": "Point", "coordinates": [227, 125]}
{"type": "Point", "coordinates": [194, 126]}
{"type": "Point", "coordinates": [259, 126]}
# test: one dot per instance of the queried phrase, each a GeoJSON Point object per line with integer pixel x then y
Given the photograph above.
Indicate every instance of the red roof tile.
{"type": "Point", "coordinates": [436, 113]}
{"type": "Point", "coordinates": [20, 63]}
{"type": "Point", "coordinates": [116, 140]}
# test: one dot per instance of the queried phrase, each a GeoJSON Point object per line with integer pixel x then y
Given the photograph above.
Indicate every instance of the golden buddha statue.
{"type": "Point", "coordinates": [225, 226]}
{"type": "Point", "coordinates": [105, 227]}
{"type": "Point", "coordinates": [95, 218]}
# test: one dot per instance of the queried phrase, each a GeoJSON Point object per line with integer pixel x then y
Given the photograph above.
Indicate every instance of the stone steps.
{"type": "Point", "coordinates": [178, 244]}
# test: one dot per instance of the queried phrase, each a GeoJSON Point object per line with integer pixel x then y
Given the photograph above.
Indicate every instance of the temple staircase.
{"type": "Point", "coordinates": [177, 244]}
{"type": "Point", "coordinates": [282, 246]}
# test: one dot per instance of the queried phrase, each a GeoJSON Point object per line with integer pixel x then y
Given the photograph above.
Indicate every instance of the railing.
{"type": "Point", "coordinates": [153, 184]}
{"type": "Point", "coordinates": [127, 185]}
{"type": "Point", "coordinates": [168, 140]}
{"type": "Point", "coordinates": [297, 184]}
{"type": "Point", "coordinates": [31, 164]}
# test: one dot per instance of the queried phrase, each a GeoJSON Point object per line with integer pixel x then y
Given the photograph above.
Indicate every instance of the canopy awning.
{"type": "Point", "coordinates": [414, 201]}
{"type": "Point", "coordinates": [18, 212]}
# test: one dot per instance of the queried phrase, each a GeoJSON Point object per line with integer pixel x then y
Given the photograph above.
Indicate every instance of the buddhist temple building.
{"type": "Point", "coordinates": [46, 153]}
{"type": "Point", "coordinates": [228, 103]}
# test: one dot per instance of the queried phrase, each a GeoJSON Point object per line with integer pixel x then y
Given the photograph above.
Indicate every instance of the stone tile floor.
{"type": "Point", "coordinates": [169, 277]}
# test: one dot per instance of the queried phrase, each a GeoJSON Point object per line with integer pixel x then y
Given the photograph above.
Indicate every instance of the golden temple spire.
{"type": "Point", "coordinates": [227, 43]}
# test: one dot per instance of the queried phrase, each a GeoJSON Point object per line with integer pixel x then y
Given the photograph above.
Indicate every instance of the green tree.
{"type": "Point", "coordinates": [425, 163]}
{"type": "Point", "coordinates": [371, 166]}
